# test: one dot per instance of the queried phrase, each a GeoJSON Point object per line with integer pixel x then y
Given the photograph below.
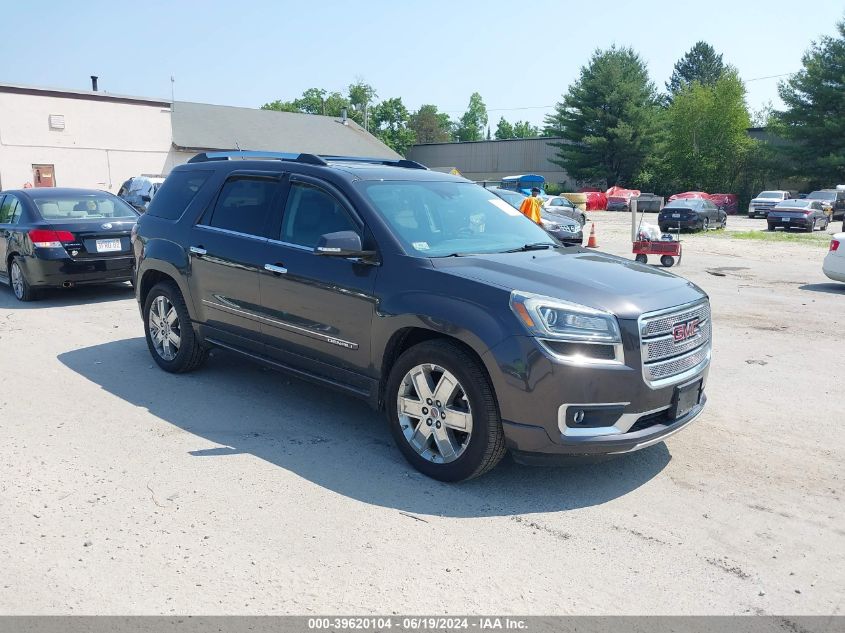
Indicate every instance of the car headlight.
{"type": "Point", "coordinates": [549, 226]}
{"type": "Point", "coordinates": [547, 317]}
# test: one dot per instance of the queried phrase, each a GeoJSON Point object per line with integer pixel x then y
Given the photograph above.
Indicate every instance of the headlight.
{"type": "Point", "coordinates": [551, 318]}
{"type": "Point", "coordinates": [549, 226]}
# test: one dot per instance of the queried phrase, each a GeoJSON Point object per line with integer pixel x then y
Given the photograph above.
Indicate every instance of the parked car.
{"type": "Point", "coordinates": [139, 191]}
{"type": "Point", "coordinates": [563, 206]}
{"type": "Point", "coordinates": [765, 200]}
{"type": "Point", "coordinates": [51, 237]}
{"type": "Point", "coordinates": [807, 214]}
{"type": "Point", "coordinates": [423, 294]}
{"type": "Point", "coordinates": [691, 214]}
{"type": "Point", "coordinates": [832, 200]}
{"type": "Point", "coordinates": [834, 261]}
{"type": "Point", "coordinates": [562, 227]}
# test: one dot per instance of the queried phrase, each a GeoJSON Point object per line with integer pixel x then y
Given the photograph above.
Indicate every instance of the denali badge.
{"type": "Point", "coordinates": [683, 331]}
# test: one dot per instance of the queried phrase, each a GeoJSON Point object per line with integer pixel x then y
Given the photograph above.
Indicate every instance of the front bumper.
{"type": "Point", "coordinates": [537, 393]}
{"type": "Point", "coordinates": [569, 238]}
{"type": "Point", "coordinates": [45, 271]}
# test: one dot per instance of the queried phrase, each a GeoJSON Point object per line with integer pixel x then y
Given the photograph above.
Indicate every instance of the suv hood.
{"type": "Point", "coordinates": [593, 279]}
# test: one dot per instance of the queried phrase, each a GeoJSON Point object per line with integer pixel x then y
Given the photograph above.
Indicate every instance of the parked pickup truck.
{"type": "Point", "coordinates": [426, 295]}
{"type": "Point", "coordinates": [765, 200]}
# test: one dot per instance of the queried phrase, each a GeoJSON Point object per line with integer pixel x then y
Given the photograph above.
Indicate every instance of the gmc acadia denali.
{"type": "Point", "coordinates": [426, 295]}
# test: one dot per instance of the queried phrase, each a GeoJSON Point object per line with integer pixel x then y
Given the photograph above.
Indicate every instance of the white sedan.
{"type": "Point", "coordinates": [834, 262]}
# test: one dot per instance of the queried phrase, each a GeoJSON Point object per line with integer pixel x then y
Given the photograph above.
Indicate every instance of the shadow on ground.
{"type": "Point", "coordinates": [831, 287]}
{"type": "Point", "coordinates": [336, 441]}
{"type": "Point", "coordinates": [61, 298]}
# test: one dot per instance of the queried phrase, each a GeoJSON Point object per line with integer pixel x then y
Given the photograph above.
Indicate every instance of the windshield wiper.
{"type": "Point", "coordinates": [535, 246]}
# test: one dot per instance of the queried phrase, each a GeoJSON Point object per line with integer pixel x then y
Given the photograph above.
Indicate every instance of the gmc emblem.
{"type": "Point", "coordinates": [683, 331]}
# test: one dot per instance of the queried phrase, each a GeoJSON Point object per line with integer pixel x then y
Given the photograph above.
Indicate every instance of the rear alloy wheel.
{"type": "Point", "coordinates": [169, 333]}
{"type": "Point", "coordinates": [442, 412]}
{"type": "Point", "coordinates": [812, 227]}
{"type": "Point", "coordinates": [20, 286]}
{"type": "Point", "coordinates": [705, 225]}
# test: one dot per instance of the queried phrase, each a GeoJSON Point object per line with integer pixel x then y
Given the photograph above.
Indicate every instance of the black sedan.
{"type": "Point", "coordinates": [806, 214]}
{"type": "Point", "coordinates": [691, 213]}
{"type": "Point", "coordinates": [51, 237]}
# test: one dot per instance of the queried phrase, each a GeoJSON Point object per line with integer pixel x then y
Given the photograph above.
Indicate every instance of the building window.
{"type": "Point", "coordinates": [43, 176]}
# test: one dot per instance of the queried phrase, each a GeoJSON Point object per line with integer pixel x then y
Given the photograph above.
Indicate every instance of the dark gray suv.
{"type": "Point", "coordinates": [429, 297]}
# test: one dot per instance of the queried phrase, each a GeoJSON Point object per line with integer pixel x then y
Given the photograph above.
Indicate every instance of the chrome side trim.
{"type": "Point", "coordinates": [281, 324]}
{"type": "Point", "coordinates": [206, 227]}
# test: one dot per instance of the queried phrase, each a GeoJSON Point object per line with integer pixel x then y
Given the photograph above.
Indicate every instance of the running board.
{"type": "Point", "coordinates": [299, 373]}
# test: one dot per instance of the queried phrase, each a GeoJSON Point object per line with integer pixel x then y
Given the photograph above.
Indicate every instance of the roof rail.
{"type": "Point", "coordinates": [309, 159]}
{"type": "Point", "coordinates": [205, 157]}
{"type": "Point", "coordinates": [394, 162]}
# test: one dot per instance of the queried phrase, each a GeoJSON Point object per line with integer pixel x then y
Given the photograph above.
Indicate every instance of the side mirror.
{"type": "Point", "coordinates": [345, 244]}
{"type": "Point", "coordinates": [146, 198]}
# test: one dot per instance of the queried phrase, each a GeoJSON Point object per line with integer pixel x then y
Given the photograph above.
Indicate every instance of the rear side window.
{"type": "Point", "coordinates": [176, 193]}
{"type": "Point", "coordinates": [245, 205]}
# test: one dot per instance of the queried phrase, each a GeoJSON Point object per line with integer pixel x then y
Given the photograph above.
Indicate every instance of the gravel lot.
{"type": "Point", "coordinates": [125, 490]}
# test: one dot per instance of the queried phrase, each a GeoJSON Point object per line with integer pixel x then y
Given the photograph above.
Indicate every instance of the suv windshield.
{"type": "Point", "coordinates": [771, 194]}
{"type": "Point", "coordinates": [84, 206]}
{"type": "Point", "coordinates": [437, 219]}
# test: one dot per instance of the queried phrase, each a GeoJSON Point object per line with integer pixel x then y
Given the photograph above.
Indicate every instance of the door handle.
{"type": "Point", "coordinates": [198, 250]}
{"type": "Point", "coordinates": [273, 268]}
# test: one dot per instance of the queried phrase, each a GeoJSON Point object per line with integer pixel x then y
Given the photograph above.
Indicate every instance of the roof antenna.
{"type": "Point", "coordinates": [240, 150]}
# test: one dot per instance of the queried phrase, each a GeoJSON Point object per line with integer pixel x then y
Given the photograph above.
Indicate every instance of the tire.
{"type": "Point", "coordinates": [472, 399]}
{"type": "Point", "coordinates": [705, 224]}
{"type": "Point", "coordinates": [770, 227]}
{"type": "Point", "coordinates": [667, 260]}
{"type": "Point", "coordinates": [188, 353]}
{"type": "Point", "coordinates": [19, 283]}
{"type": "Point", "coordinates": [641, 259]}
{"type": "Point", "coordinates": [812, 227]}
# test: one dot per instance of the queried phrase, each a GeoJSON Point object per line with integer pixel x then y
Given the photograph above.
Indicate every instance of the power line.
{"type": "Point", "coordinates": [768, 77]}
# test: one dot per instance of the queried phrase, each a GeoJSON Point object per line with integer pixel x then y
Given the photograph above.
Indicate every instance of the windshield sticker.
{"type": "Point", "coordinates": [504, 206]}
{"type": "Point", "coordinates": [421, 246]}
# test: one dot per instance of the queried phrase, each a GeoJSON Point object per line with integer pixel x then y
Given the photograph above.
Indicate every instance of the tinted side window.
{"type": "Point", "coordinates": [5, 208]}
{"type": "Point", "coordinates": [311, 212]}
{"type": "Point", "coordinates": [15, 209]}
{"type": "Point", "coordinates": [176, 193]}
{"type": "Point", "coordinates": [245, 205]}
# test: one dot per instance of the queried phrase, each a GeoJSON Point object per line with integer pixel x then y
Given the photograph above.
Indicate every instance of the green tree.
{"type": "Point", "coordinates": [814, 119]}
{"type": "Point", "coordinates": [707, 144]}
{"type": "Point", "coordinates": [607, 119]}
{"type": "Point", "coordinates": [504, 130]}
{"type": "Point", "coordinates": [472, 123]}
{"type": "Point", "coordinates": [312, 101]}
{"type": "Point", "coordinates": [361, 97]}
{"type": "Point", "coordinates": [390, 122]}
{"type": "Point", "coordinates": [431, 126]}
{"type": "Point", "coordinates": [523, 129]}
{"type": "Point", "coordinates": [701, 64]}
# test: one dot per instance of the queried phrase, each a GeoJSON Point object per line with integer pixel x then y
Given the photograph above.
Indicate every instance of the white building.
{"type": "Point", "coordinates": [77, 138]}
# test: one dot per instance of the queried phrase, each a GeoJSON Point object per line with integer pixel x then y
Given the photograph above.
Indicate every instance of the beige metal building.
{"type": "Point", "coordinates": [78, 138]}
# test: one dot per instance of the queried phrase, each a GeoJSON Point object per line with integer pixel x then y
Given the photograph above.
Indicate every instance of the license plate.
{"type": "Point", "coordinates": [108, 246]}
{"type": "Point", "coordinates": [676, 215]}
{"type": "Point", "coordinates": [686, 398]}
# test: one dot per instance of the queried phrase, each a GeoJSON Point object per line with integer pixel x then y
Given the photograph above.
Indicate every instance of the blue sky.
{"type": "Point", "coordinates": [516, 54]}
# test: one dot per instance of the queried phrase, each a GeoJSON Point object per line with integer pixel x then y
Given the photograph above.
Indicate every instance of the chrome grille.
{"type": "Point", "coordinates": [666, 360]}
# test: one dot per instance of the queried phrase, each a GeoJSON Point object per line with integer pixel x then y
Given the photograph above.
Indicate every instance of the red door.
{"type": "Point", "coordinates": [42, 176]}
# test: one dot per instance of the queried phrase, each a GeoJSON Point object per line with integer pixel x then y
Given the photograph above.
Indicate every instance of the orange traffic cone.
{"type": "Point", "coordinates": [592, 243]}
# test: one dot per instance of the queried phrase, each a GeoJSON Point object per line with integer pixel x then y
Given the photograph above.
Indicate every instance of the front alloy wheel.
{"type": "Point", "coordinates": [442, 411]}
{"type": "Point", "coordinates": [170, 335]}
{"type": "Point", "coordinates": [434, 413]}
